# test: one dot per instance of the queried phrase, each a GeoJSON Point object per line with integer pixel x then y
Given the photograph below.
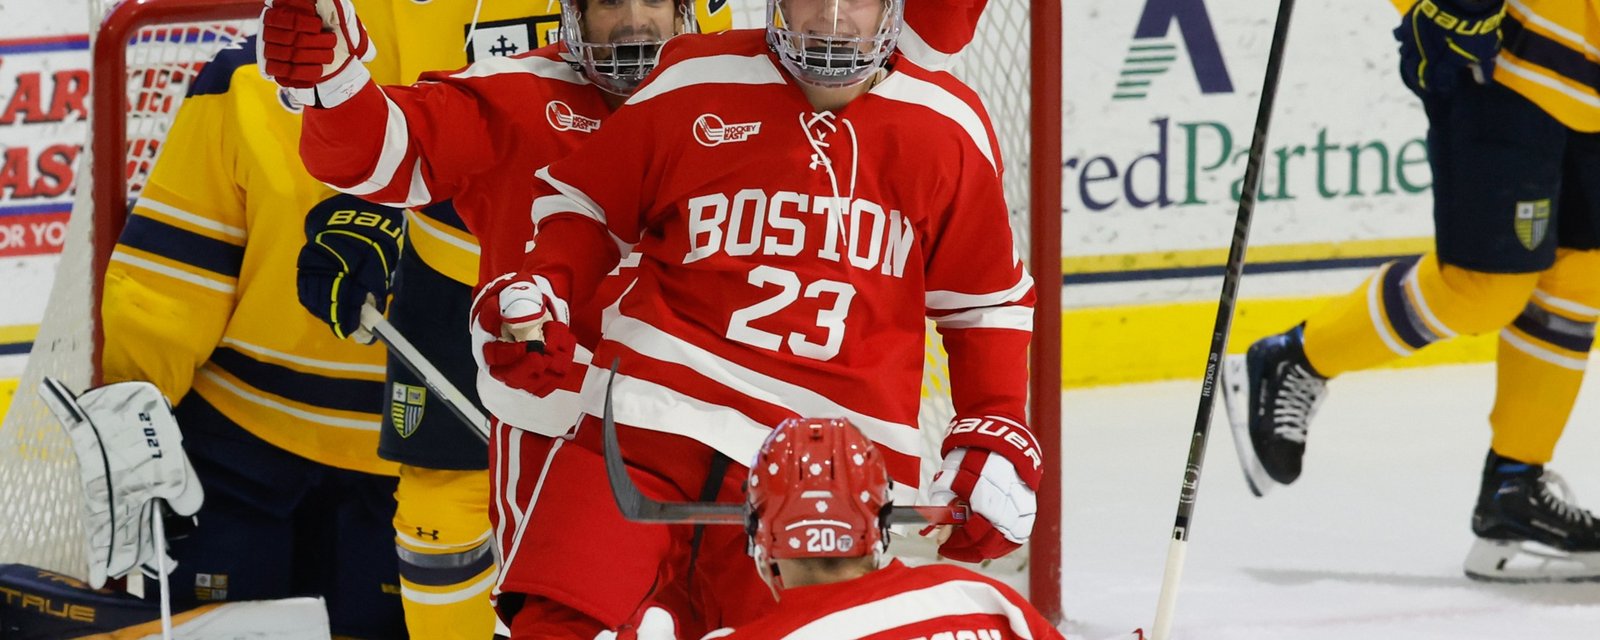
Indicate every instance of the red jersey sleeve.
{"type": "Point", "coordinates": [937, 30]}
{"type": "Point", "coordinates": [410, 146]}
{"type": "Point", "coordinates": [979, 294]}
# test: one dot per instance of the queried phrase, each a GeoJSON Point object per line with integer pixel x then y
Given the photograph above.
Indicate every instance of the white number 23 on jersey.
{"type": "Point", "coordinates": [830, 319]}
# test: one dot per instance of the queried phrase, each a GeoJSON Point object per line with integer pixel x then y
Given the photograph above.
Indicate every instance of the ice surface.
{"type": "Point", "coordinates": [1368, 544]}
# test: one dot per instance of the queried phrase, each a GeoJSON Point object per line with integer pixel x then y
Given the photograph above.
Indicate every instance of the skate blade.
{"type": "Point", "coordinates": [1514, 562]}
{"type": "Point", "coordinates": [1236, 399]}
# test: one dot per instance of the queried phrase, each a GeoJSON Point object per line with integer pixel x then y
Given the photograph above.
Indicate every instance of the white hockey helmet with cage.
{"type": "Point", "coordinates": [836, 55]}
{"type": "Point", "coordinates": [618, 67]}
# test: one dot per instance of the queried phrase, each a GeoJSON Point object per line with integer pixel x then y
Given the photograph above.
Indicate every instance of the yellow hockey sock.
{"type": "Point", "coordinates": [447, 563]}
{"type": "Point", "coordinates": [1542, 357]}
{"type": "Point", "coordinates": [1408, 305]}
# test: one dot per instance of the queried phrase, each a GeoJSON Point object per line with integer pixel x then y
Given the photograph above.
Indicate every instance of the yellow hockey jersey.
{"type": "Point", "coordinates": [200, 291]}
{"type": "Point", "coordinates": [1551, 56]}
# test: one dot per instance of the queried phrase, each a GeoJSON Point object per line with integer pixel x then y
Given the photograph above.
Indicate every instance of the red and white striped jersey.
{"type": "Point", "coordinates": [788, 258]}
{"type": "Point", "coordinates": [475, 137]}
{"type": "Point", "coordinates": [939, 601]}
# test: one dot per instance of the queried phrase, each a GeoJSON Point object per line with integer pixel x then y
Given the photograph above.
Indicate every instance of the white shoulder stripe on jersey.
{"type": "Point", "coordinates": [532, 65]}
{"type": "Point", "coordinates": [953, 300]}
{"type": "Point", "coordinates": [903, 88]}
{"type": "Point", "coordinates": [923, 54]}
{"type": "Point", "coordinates": [955, 598]}
{"type": "Point", "coordinates": [1007, 317]}
{"type": "Point", "coordinates": [723, 69]}
{"type": "Point", "coordinates": [652, 342]}
{"type": "Point", "coordinates": [147, 202]}
{"type": "Point", "coordinates": [396, 141]}
{"type": "Point", "coordinates": [570, 199]}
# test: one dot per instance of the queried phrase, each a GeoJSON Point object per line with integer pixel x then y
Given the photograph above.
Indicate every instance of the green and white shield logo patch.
{"type": "Point", "coordinates": [405, 408]}
{"type": "Point", "coordinates": [1532, 223]}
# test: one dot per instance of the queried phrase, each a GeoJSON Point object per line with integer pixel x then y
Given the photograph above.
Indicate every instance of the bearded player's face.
{"type": "Point", "coordinates": [625, 21]}
{"type": "Point", "coordinates": [820, 20]}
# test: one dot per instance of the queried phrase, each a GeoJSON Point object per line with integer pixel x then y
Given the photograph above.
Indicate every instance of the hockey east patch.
{"type": "Point", "coordinates": [406, 403]}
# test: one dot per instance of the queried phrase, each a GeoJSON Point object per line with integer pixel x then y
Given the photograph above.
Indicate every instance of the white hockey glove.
{"type": "Point", "coordinates": [314, 49]}
{"type": "Point", "coordinates": [130, 458]}
{"type": "Point", "coordinates": [981, 467]}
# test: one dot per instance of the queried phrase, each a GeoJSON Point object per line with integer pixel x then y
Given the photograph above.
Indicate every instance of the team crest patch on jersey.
{"type": "Point", "coordinates": [710, 130]}
{"type": "Point", "coordinates": [405, 408]}
{"type": "Point", "coordinates": [562, 118]}
{"type": "Point", "coordinates": [1533, 222]}
{"type": "Point", "coordinates": [506, 38]}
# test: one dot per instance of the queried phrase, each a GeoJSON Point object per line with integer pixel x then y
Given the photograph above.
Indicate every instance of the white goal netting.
{"type": "Point", "coordinates": [40, 496]}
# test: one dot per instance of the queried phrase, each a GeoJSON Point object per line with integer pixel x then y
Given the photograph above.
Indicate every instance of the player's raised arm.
{"type": "Point", "coordinates": [393, 145]}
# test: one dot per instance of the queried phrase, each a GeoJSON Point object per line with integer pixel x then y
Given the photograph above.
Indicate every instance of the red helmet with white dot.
{"type": "Point", "coordinates": [818, 489]}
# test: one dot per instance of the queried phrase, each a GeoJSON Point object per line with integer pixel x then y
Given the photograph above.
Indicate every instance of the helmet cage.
{"type": "Point", "coordinates": [840, 61]}
{"type": "Point", "coordinates": [617, 68]}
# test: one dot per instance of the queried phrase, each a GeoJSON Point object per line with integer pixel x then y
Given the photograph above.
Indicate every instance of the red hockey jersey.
{"type": "Point", "coordinates": [474, 137]}
{"type": "Point", "coordinates": [788, 257]}
{"type": "Point", "coordinates": [901, 603]}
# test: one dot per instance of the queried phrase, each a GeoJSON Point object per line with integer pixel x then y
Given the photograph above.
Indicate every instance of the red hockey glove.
{"type": "Point", "coordinates": [994, 465]}
{"type": "Point", "coordinates": [314, 49]}
{"type": "Point", "coordinates": [520, 333]}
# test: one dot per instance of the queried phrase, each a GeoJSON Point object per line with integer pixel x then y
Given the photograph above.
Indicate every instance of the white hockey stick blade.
{"type": "Point", "coordinates": [1521, 562]}
{"type": "Point", "coordinates": [373, 320]}
{"type": "Point", "coordinates": [1236, 399]}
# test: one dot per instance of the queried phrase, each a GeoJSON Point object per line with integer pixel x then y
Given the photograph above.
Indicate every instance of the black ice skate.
{"type": "Point", "coordinates": [1271, 393]}
{"type": "Point", "coordinates": [1528, 533]}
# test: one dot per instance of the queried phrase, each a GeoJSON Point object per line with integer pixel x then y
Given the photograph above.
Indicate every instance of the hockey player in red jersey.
{"type": "Point", "coordinates": [470, 137]}
{"type": "Point", "coordinates": [800, 199]}
{"type": "Point", "coordinates": [817, 502]}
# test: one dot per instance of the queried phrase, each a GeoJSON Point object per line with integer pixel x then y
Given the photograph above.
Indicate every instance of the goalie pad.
{"type": "Point", "coordinates": [130, 459]}
{"type": "Point", "coordinates": [44, 605]}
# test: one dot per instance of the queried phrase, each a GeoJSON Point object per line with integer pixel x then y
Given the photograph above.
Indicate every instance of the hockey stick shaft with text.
{"type": "Point", "coordinates": [1233, 272]}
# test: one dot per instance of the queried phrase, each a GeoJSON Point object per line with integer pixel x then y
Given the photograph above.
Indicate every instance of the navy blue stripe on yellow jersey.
{"type": "Point", "coordinates": [323, 391]}
{"type": "Point", "coordinates": [1395, 306]}
{"type": "Point", "coordinates": [175, 243]}
{"type": "Point", "coordinates": [200, 292]}
{"type": "Point", "coordinates": [1534, 47]}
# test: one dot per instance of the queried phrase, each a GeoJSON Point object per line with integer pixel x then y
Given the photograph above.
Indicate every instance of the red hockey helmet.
{"type": "Point", "coordinates": [818, 489]}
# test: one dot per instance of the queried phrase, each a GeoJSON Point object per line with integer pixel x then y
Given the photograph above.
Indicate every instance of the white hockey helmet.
{"type": "Point", "coordinates": [619, 61]}
{"type": "Point", "coordinates": [833, 43]}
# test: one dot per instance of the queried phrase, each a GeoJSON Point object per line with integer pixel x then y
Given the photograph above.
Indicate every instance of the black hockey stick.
{"type": "Point", "coordinates": [638, 507]}
{"type": "Point", "coordinates": [457, 402]}
{"type": "Point", "coordinates": [1219, 334]}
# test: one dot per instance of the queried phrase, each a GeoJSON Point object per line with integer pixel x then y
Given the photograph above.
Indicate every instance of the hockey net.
{"type": "Point", "coordinates": [146, 52]}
